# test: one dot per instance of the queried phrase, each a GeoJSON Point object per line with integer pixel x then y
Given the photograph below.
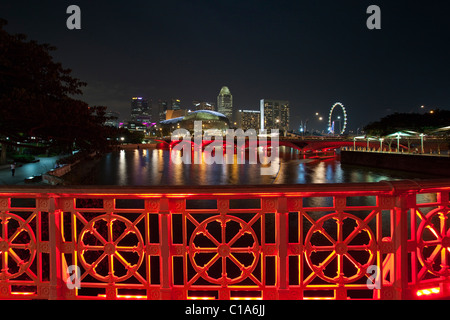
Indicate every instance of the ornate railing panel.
{"type": "Point", "coordinates": [386, 240]}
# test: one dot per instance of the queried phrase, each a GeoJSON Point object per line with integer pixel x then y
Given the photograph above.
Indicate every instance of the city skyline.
{"type": "Point", "coordinates": [312, 55]}
{"type": "Point", "coordinates": [268, 150]}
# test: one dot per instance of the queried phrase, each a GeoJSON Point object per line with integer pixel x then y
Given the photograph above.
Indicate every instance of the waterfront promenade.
{"type": "Point", "coordinates": [26, 170]}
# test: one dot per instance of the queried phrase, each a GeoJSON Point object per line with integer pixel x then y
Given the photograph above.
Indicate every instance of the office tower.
{"type": "Point", "coordinates": [248, 119]}
{"type": "Point", "coordinates": [203, 105]}
{"type": "Point", "coordinates": [225, 103]}
{"type": "Point", "coordinates": [274, 114]}
{"type": "Point", "coordinates": [162, 110]}
{"type": "Point", "coordinates": [140, 110]}
{"type": "Point", "coordinates": [176, 104]}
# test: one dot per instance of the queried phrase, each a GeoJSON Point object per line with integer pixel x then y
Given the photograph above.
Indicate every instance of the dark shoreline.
{"type": "Point", "coordinates": [426, 164]}
{"type": "Point", "coordinates": [81, 173]}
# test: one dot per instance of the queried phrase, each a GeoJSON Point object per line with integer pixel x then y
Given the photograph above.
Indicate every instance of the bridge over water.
{"type": "Point", "coordinates": [227, 242]}
{"type": "Point", "coordinates": [304, 145]}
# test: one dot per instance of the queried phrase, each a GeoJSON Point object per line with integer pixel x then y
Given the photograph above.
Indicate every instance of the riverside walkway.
{"type": "Point", "coordinates": [24, 171]}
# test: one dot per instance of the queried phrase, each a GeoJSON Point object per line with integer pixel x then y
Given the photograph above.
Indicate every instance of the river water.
{"type": "Point", "coordinates": [152, 167]}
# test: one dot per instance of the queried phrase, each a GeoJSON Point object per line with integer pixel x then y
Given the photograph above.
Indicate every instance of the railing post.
{"type": "Point", "coordinates": [164, 240]}
{"type": "Point", "coordinates": [56, 276]}
{"type": "Point", "coordinates": [400, 241]}
{"type": "Point", "coordinates": [282, 243]}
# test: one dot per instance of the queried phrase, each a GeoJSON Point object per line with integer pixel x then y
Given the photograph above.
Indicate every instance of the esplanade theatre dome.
{"type": "Point", "coordinates": [210, 120]}
{"type": "Point", "coordinates": [206, 115]}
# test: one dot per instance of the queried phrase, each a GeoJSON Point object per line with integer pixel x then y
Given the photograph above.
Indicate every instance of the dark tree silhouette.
{"type": "Point", "coordinates": [37, 98]}
{"type": "Point", "coordinates": [423, 123]}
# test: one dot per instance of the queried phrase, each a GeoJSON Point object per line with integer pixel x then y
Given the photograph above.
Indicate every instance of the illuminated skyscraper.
{"type": "Point", "coordinates": [140, 110]}
{"type": "Point", "coordinates": [248, 119]}
{"type": "Point", "coordinates": [176, 104]}
{"type": "Point", "coordinates": [274, 114]}
{"type": "Point", "coordinates": [203, 105]}
{"type": "Point", "coordinates": [162, 110]}
{"type": "Point", "coordinates": [225, 103]}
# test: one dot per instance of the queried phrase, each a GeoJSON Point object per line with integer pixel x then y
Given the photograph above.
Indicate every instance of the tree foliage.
{"type": "Point", "coordinates": [37, 98]}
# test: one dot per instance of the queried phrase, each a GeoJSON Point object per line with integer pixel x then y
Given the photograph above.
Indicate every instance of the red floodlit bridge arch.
{"type": "Point", "coordinates": [298, 144]}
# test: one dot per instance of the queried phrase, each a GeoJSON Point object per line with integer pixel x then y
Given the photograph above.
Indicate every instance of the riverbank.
{"type": "Point", "coordinates": [28, 173]}
{"type": "Point", "coordinates": [82, 172]}
{"type": "Point", "coordinates": [427, 164]}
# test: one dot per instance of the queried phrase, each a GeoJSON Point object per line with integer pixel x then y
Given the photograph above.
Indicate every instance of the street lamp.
{"type": "Point", "coordinates": [398, 142]}
{"type": "Point", "coordinates": [421, 142]}
{"type": "Point", "coordinates": [318, 117]}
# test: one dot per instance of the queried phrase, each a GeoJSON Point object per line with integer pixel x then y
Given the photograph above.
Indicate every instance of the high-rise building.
{"type": "Point", "coordinates": [140, 110]}
{"type": "Point", "coordinates": [203, 105]}
{"type": "Point", "coordinates": [248, 119]}
{"type": "Point", "coordinates": [225, 103]}
{"type": "Point", "coordinates": [162, 110]}
{"type": "Point", "coordinates": [176, 104]}
{"type": "Point", "coordinates": [274, 114]}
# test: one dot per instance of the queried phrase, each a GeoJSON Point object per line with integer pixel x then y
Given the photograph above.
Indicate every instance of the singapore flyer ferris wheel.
{"type": "Point", "coordinates": [334, 118]}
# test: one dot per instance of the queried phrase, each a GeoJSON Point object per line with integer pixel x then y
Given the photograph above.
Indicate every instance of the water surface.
{"type": "Point", "coordinates": [152, 167]}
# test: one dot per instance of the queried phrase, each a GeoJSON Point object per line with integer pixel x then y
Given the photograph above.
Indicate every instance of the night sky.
{"type": "Point", "coordinates": [312, 53]}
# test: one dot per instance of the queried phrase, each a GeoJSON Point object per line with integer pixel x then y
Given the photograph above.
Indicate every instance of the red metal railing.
{"type": "Point", "coordinates": [227, 242]}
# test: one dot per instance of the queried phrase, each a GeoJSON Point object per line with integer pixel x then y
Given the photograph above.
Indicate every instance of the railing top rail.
{"type": "Point", "coordinates": [373, 188]}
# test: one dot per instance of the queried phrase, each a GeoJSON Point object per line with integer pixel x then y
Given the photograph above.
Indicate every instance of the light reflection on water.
{"type": "Point", "coordinates": [152, 167]}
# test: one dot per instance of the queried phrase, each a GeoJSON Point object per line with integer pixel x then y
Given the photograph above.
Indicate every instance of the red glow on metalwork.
{"type": "Point", "coordinates": [294, 242]}
{"type": "Point", "coordinates": [231, 298]}
{"type": "Point", "coordinates": [427, 292]}
{"type": "Point", "coordinates": [22, 293]}
{"type": "Point", "coordinates": [433, 231]}
{"type": "Point", "coordinates": [131, 297]}
{"type": "Point", "coordinates": [123, 195]}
